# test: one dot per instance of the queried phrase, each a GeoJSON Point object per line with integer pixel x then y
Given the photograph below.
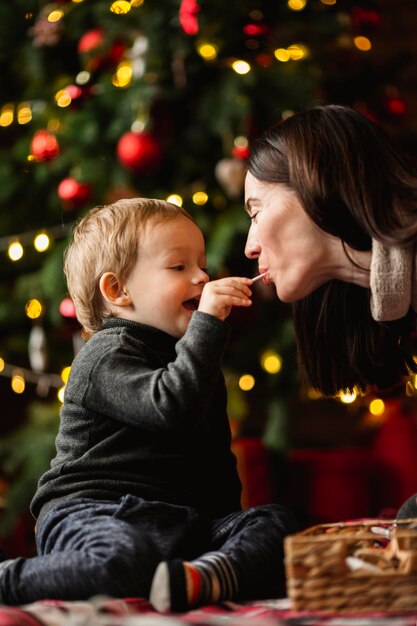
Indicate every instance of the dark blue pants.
{"type": "Point", "coordinates": [87, 548]}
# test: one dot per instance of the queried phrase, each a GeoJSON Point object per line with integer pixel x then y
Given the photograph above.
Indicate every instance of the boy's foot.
{"type": "Point", "coordinates": [181, 585]}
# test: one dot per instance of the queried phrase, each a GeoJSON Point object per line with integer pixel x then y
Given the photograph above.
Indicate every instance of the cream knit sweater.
{"type": "Point", "coordinates": [392, 281]}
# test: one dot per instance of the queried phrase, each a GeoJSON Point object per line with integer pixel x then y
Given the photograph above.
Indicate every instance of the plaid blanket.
{"type": "Point", "coordinates": [103, 611]}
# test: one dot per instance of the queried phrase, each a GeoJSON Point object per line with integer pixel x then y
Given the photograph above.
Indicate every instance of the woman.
{"type": "Point", "coordinates": [333, 209]}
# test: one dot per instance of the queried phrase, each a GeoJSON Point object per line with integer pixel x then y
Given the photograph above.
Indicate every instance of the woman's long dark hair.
{"type": "Point", "coordinates": [355, 185]}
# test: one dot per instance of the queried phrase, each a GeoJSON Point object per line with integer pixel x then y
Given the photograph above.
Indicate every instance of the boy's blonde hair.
{"type": "Point", "coordinates": [106, 240]}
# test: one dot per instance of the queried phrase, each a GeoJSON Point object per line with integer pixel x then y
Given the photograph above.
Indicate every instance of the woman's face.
{"type": "Point", "coordinates": [295, 253]}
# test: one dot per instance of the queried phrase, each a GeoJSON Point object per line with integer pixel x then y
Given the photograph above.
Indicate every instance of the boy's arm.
{"type": "Point", "coordinates": [135, 389]}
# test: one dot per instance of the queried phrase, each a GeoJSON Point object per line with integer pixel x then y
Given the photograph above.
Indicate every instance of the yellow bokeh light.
{"type": "Point", "coordinates": [33, 309]}
{"type": "Point", "coordinates": [241, 141]}
{"type": "Point", "coordinates": [55, 15]}
{"type": "Point", "coordinates": [65, 373]}
{"type": "Point", "coordinates": [241, 67]}
{"type": "Point", "coordinates": [18, 383]}
{"type": "Point", "coordinates": [282, 55]}
{"type": "Point", "coordinates": [15, 251]}
{"type": "Point", "coordinates": [61, 393]}
{"type": "Point", "coordinates": [297, 52]}
{"type": "Point", "coordinates": [328, 2]}
{"type": "Point", "coordinates": [377, 406]}
{"type": "Point", "coordinates": [346, 397]}
{"type": "Point", "coordinates": [7, 115]}
{"type": "Point", "coordinates": [2, 364]}
{"type": "Point", "coordinates": [271, 362]}
{"type": "Point", "coordinates": [296, 5]}
{"type": "Point", "coordinates": [313, 394]}
{"type": "Point", "coordinates": [175, 199]}
{"type": "Point", "coordinates": [208, 51]}
{"type": "Point", "coordinates": [246, 382]}
{"type": "Point", "coordinates": [136, 3]}
{"type": "Point", "coordinates": [123, 75]}
{"type": "Point", "coordinates": [24, 113]}
{"type": "Point", "coordinates": [82, 77]}
{"type": "Point", "coordinates": [200, 197]}
{"type": "Point", "coordinates": [362, 43]}
{"type": "Point", "coordinates": [41, 242]}
{"type": "Point", "coordinates": [62, 98]}
{"type": "Point", "coordinates": [120, 7]}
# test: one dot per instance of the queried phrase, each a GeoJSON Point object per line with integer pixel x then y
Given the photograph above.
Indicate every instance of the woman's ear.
{"type": "Point", "coordinates": [113, 291]}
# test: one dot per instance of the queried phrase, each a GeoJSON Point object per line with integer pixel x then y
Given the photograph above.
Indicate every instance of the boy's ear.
{"type": "Point", "coordinates": [113, 291]}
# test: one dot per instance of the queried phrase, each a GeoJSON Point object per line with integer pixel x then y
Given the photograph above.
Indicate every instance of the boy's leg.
{"type": "Point", "coordinates": [247, 562]}
{"type": "Point", "coordinates": [91, 548]}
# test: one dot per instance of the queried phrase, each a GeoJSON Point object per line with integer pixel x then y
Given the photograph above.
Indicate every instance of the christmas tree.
{"type": "Point", "coordinates": [102, 100]}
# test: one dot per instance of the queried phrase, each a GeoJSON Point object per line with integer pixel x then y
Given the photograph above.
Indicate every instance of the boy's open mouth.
{"type": "Point", "coordinates": [191, 305]}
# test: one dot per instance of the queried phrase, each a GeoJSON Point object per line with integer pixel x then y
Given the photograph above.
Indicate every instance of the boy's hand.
{"type": "Point", "coordinates": [219, 296]}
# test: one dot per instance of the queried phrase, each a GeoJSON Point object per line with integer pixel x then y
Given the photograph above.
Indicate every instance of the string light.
{"type": "Point", "coordinates": [65, 373]}
{"type": "Point", "coordinates": [34, 309]}
{"type": "Point", "coordinates": [29, 376]}
{"type": "Point", "coordinates": [241, 67]}
{"type": "Point", "coordinates": [60, 394]}
{"type": "Point", "coordinates": [175, 199]}
{"type": "Point", "coordinates": [24, 113]}
{"type": "Point", "coordinates": [207, 51]}
{"type": "Point", "coordinates": [123, 75]}
{"type": "Point", "coordinates": [346, 397]}
{"type": "Point", "coordinates": [120, 7]}
{"type": "Point", "coordinates": [63, 98]}
{"type": "Point", "coordinates": [7, 115]}
{"type": "Point", "coordinates": [200, 198]}
{"type": "Point", "coordinates": [41, 242]}
{"type": "Point", "coordinates": [15, 251]}
{"type": "Point", "coordinates": [362, 43]}
{"type": "Point", "coordinates": [55, 15]}
{"type": "Point", "coordinates": [296, 5]}
{"type": "Point", "coordinates": [271, 362]}
{"type": "Point", "coordinates": [282, 55]}
{"type": "Point", "coordinates": [377, 407]}
{"type": "Point", "coordinates": [246, 382]}
{"type": "Point", "coordinates": [18, 382]}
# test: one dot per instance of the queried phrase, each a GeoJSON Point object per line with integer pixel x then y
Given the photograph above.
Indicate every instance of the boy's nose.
{"type": "Point", "coordinates": [200, 277]}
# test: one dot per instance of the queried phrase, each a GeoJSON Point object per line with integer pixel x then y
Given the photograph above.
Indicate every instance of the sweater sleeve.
{"type": "Point", "coordinates": [125, 384]}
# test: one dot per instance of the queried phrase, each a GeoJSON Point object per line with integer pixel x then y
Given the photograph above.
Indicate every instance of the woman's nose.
{"type": "Point", "coordinates": [252, 248]}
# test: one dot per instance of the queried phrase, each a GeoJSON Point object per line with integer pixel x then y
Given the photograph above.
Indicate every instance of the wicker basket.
{"type": "Point", "coordinates": [355, 566]}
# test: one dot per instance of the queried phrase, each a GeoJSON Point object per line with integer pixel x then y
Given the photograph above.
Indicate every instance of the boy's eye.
{"type": "Point", "coordinates": [204, 269]}
{"type": "Point", "coordinates": [179, 268]}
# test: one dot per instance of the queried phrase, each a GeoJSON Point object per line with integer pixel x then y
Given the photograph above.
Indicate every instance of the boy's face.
{"type": "Point", "coordinates": [166, 282]}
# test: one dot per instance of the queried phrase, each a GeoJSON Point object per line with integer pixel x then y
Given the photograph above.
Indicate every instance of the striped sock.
{"type": "Point", "coordinates": [210, 579]}
{"type": "Point", "coordinates": [182, 585]}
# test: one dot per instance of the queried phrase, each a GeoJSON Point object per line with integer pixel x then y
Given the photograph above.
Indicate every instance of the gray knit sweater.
{"type": "Point", "coordinates": [145, 414]}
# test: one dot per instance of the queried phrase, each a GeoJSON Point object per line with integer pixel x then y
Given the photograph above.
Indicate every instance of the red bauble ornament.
{"type": "Point", "coordinates": [240, 152]}
{"type": "Point", "coordinates": [73, 193]}
{"type": "Point", "coordinates": [98, 56]}
{"type": "Point", "coordinates": [188, 16]}
{"type": "Point", "coordinates": [67, 308]}
{"type": "Point", "coordinates": [44, 146]}
{"type": "Point", "coordinates": [140, 152]}
{"type": "Point", "coordinates": [77, 94]}
{"type": "Point", "coordinates": [396, 106]}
